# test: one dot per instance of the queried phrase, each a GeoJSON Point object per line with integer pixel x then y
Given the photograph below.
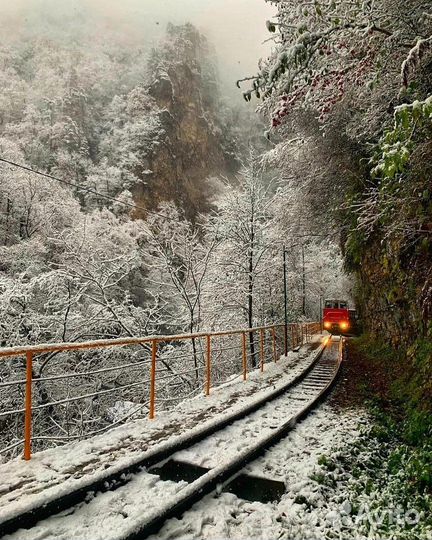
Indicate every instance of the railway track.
{"type": "Point", "coordinates": [220, 453]}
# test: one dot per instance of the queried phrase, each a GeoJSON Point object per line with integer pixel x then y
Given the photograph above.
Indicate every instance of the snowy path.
{"type": "Point", "coordinates": [116, 514]}
{"type": "Point", "coordinates": [224, 445]}
{"type": "Point", "coordinates": [52, 473]}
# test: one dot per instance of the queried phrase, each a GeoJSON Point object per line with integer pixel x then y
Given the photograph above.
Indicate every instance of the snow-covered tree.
{"type": "Point", "coordinates": [239, 262]}
{"type": "Point", "coordinates": [331, 51]}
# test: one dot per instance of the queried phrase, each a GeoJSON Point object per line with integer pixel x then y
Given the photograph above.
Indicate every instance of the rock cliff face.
{"type": "Point", "coordinates": [392, 283]}
{"type": "Point", "coordinates": [395, 299]}
{"type": "Point", "coordinates": [194, 144]}
{"type": "Point", "coordinates": [394, 278]}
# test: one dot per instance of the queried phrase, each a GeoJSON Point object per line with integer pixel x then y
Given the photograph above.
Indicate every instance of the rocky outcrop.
{"type": "Point", "coordinates": [394, 277]}
{"type": "Point", "coordinates": [194, 145]}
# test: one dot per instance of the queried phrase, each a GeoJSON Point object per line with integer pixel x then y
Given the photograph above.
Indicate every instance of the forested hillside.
{"type": "Point", "coordinates": [165, 250]}
{"type": "Point", "coordinates": [114, 120]}
{"type": "Point", "coordinates": [163, 179]}
{"type": "Point", "coordinates": [158, 209]}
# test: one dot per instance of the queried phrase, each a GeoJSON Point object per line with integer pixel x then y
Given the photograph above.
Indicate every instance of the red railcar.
{"type": "Point", "coordinates": [336, 317]}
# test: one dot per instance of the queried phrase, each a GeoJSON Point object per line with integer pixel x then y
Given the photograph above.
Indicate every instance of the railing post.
{"type": "Point", "coordinates": [244, 356]}
{"type": "Point", "coordinates": [262, 349]}
{"type": "Point", "coordinates": [153, 379]}
{"type": "Point", "coordinates": [274, 344]}
{"type": "Point", "coordinates": [321, 314]}
{"type": "Point", "coordinates": [28, 406]}
{"type": "Point", "coordinates": [208, 362]}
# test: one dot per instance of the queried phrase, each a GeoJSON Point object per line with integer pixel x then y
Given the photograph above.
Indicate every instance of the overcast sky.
{"type": "Point", "coordinates": [235, 27]}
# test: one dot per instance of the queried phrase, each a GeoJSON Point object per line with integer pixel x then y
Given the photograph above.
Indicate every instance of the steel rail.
{"type": "Point", "coordinates": [74, 398]}
{"type": "Point", "coordinates": [121, 475]}
{"type": "Point", "coordinates": [226, 473]}
{"type": "Point", "coordinates": [73, 374]}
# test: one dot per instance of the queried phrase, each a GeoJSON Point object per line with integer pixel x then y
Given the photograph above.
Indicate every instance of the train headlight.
{"type": "Point", "coordinates": [327, 324]}
{"type": "Point", "coordinates": [344, 325]}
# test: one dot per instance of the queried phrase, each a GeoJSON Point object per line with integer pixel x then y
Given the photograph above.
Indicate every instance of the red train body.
{"type": "Point", "coordinates": [336, 317]}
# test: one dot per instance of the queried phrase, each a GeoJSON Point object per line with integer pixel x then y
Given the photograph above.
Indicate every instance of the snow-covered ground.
{"type": "Point", "coordinates": [305, 512]}
{"type": "Point", "coordinates": [115, 513]}
{"type": "Point", "coordinates": [310, 508]}
{"type": "Point", "coordinates": [223, 446]}
{"type": "Point", "coordinates": [26, 485]}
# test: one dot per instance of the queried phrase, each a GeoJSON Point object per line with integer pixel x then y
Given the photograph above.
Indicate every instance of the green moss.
{"type": "Point", "coordinates": [409, 373]}
{"type": "Point", "coordinates": [327, 463]}
{"type": "Point", "coordinates": [402, 417]}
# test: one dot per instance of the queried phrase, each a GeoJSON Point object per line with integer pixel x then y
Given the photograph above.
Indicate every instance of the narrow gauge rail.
{"type": "Point", "coordinates": [282, 410]}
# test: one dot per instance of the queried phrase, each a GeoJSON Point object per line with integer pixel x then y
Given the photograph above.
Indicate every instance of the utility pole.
{"type": "Point", "coordinates": [285, 301]}
{"type": "Point", "coordinates": [303, 283]}
{"type": "Point", "coordinates": [321, 313]}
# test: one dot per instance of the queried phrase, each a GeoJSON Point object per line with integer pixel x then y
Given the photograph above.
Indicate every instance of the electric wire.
{"type": "Point", "coordinates": [83, 188]}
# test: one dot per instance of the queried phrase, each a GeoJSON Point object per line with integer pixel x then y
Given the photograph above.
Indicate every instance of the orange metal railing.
{"type": "Point", "coordinates": [209, 349]}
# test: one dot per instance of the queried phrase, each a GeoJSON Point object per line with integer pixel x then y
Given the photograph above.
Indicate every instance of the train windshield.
{"type": "Point", "coordinates": [336, 304]}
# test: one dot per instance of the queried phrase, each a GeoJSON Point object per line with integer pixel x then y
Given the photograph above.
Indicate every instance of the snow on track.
{"type": "Point", "coordinates": [114, 514]}
{"type": "Point", "coordinates": [227, 443]}
{"type": "Point", "coordinates": [56, 472]}
{"type": "Point", "coordinates": [306, 510]}
{"type": "Point", "coordinates": [101, 517]}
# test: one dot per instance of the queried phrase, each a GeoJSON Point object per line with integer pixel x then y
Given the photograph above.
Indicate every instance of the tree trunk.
{"type": "Point", "coordinates": [194, 350]}
{"type": "Point", "coordinates": [303, 284]}
{"type": "Point", "coordinates": [8, 213]}
{"type": "Point", "coordinates": [250, 297]}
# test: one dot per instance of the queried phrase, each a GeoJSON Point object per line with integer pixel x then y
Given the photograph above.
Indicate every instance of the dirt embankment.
{"type": "Point", "coordinates": [364, 377]}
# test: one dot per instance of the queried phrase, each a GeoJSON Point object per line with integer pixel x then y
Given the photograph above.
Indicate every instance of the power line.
{"type": "Point", "coordinates": [83, 188]}
{"type": "Point", "coordinates": [114, 199]}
